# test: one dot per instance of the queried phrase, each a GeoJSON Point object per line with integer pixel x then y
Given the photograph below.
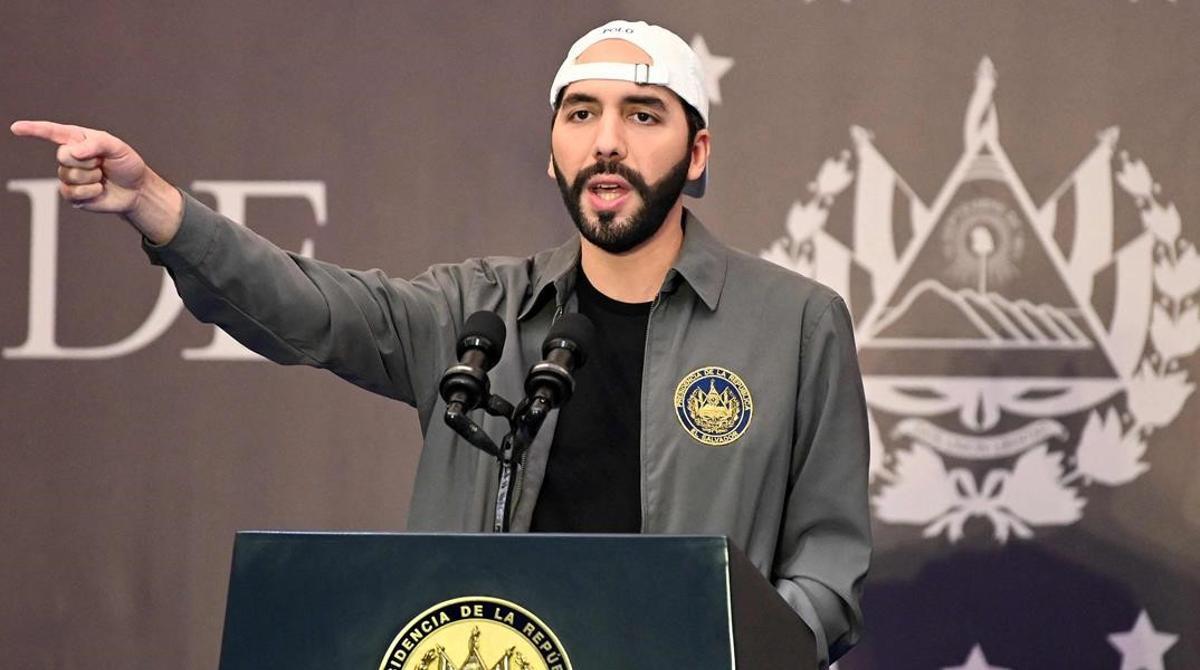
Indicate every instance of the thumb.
{"type": "Point", "coordinates": [97, 144]}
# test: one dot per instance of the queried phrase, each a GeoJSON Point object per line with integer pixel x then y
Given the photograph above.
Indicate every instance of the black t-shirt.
{"type": "Point", "coordinates": [593, 477]}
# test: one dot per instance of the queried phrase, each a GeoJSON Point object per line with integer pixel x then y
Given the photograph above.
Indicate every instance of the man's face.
{"type": "Point", "coordinates": [620, 154]}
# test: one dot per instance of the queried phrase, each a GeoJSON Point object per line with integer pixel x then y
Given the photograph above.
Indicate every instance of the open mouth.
{"type": "Point", "coordinates": [608, 191]}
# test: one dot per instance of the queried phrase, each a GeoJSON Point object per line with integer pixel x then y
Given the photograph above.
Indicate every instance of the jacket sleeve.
{"type": "Point", "coordinates": [383, 334]}
{"type": "Point", "coordinates": [825, 545]}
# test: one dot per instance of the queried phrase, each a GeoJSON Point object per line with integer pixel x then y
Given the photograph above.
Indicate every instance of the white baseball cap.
{"type": "Point", "coordinates": [674, 66]}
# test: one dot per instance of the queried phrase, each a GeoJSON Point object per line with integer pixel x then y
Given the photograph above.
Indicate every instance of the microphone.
{"type": "Point", "coordinates": [549, 383]}
{"type": "Point", "coordinates": [466, 384]}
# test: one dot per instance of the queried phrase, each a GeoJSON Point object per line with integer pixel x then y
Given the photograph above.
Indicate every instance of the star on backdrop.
{"type": "Point", "coordinates": [715, 67]}
{"type": "Point", "coordinates": [1142, 647]}
{"type": "Point", "coordinates": [976, 661]}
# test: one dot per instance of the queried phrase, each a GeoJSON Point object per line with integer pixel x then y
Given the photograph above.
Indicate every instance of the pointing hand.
{"type": "Point", "coordinates": [100, 173]}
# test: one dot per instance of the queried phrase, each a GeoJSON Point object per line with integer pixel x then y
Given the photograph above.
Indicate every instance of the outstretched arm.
{"type": "Point", "coordinates": [386, 335]}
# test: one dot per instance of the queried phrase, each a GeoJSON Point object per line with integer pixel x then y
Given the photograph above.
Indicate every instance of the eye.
{"type": "Point", "coordinates": [579, 115]}
{"type": "Point", "coordinates": [644, 117]}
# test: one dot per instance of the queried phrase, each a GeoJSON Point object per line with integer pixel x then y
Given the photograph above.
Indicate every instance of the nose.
{"type": "Point", "coordinates": [610, 138]}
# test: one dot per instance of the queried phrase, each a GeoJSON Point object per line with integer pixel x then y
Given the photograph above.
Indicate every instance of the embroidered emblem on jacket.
{"type": "Point", "coordinates": [714, 406]}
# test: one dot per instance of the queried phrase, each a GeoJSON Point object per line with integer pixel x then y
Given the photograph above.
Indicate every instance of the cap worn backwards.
{"type": "Point", "coordinates": [673, 65]}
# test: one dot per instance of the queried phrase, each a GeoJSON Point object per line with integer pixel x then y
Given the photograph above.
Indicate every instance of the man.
{"type": "Point", "coordinates": [724, 394]}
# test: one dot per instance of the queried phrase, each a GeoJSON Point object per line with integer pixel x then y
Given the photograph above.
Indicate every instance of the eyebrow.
{"type": "Point", "coordinates": [579, 98]}
{"type": "Point", "coordinates": [646, 100]}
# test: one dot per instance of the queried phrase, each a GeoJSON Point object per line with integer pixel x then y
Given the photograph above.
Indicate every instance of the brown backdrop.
{"type": "Point", "coordinates": [123, 479]}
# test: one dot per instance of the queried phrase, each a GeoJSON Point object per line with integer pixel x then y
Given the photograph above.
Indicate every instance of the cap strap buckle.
{"type": "Point", "coordinates": [639, 73]}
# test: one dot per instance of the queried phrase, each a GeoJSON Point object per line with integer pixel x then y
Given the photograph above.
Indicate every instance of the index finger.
{"type": "Point", "coordinates": [48, 130]}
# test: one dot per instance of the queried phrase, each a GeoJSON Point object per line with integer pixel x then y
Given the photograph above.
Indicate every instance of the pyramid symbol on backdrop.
{"type": "Point", "coordinates": [983, 294]}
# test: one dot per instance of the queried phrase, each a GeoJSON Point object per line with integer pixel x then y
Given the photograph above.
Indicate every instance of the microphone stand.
{"type": "Point", "coordinates": [524, 422]}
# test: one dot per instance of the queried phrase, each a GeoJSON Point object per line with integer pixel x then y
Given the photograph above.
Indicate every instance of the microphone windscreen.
{"type": "Point", "coordinates": [573, 327]}
{"type": "Point", "coordinates": [485, 326]}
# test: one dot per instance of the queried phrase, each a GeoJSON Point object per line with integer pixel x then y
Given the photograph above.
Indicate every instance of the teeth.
{"type": "Point", "coordinates": [608, 191]}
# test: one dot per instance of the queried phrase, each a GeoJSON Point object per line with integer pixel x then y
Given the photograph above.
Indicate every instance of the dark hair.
{"type": "Point", "coordinates": [695, 122]}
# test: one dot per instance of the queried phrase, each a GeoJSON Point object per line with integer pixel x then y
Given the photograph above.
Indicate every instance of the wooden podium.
{"type": "Point", "coordinates": [503, 602]}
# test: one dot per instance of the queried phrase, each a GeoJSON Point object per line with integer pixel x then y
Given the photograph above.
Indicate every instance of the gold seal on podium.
{"type": "Point", "coordinates": [475, 633]}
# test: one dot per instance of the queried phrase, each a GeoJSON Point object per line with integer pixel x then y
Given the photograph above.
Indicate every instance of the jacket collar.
{"type": "Point", "coordinates": [702, 263]}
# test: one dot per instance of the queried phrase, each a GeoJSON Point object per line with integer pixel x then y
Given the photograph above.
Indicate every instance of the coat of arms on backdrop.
{"type": "Point", "coordinates": [1014, 354]}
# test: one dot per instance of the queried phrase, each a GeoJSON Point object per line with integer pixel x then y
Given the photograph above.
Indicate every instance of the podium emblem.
{"type": "Point", "coordinates": [475, 633]}
{"type": "Point", "coordinates": [714, 406]}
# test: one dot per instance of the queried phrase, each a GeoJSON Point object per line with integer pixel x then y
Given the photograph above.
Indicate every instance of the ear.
{"type": "Point", "coordinates": [701, 149]}
{"type": "Point", "coordinates": [550, 168]}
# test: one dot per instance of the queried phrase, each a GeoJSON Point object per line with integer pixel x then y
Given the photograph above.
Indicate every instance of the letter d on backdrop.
{"type": "Point", "coordinates": [40, 341]}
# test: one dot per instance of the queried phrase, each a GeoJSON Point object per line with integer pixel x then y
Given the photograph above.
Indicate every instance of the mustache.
{"type": "Point", "coordinates": [610, 167]}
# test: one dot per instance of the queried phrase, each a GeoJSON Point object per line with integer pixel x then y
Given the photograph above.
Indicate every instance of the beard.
{"type": "Point", "coordinates": [618, 236]}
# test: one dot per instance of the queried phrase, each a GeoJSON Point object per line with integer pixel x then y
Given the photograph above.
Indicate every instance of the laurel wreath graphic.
{"type": "Point", "coordinates": [1043, 487]}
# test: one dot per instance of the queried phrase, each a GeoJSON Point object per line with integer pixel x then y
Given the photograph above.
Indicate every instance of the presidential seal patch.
{"type": "Point", "coordinates": [475, 633]}
{"type": "Point", "coordinates": [714, 406]}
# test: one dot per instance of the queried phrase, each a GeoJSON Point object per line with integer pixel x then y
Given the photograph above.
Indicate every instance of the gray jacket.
{"type": "Point", "coordinates": [791, 490]}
